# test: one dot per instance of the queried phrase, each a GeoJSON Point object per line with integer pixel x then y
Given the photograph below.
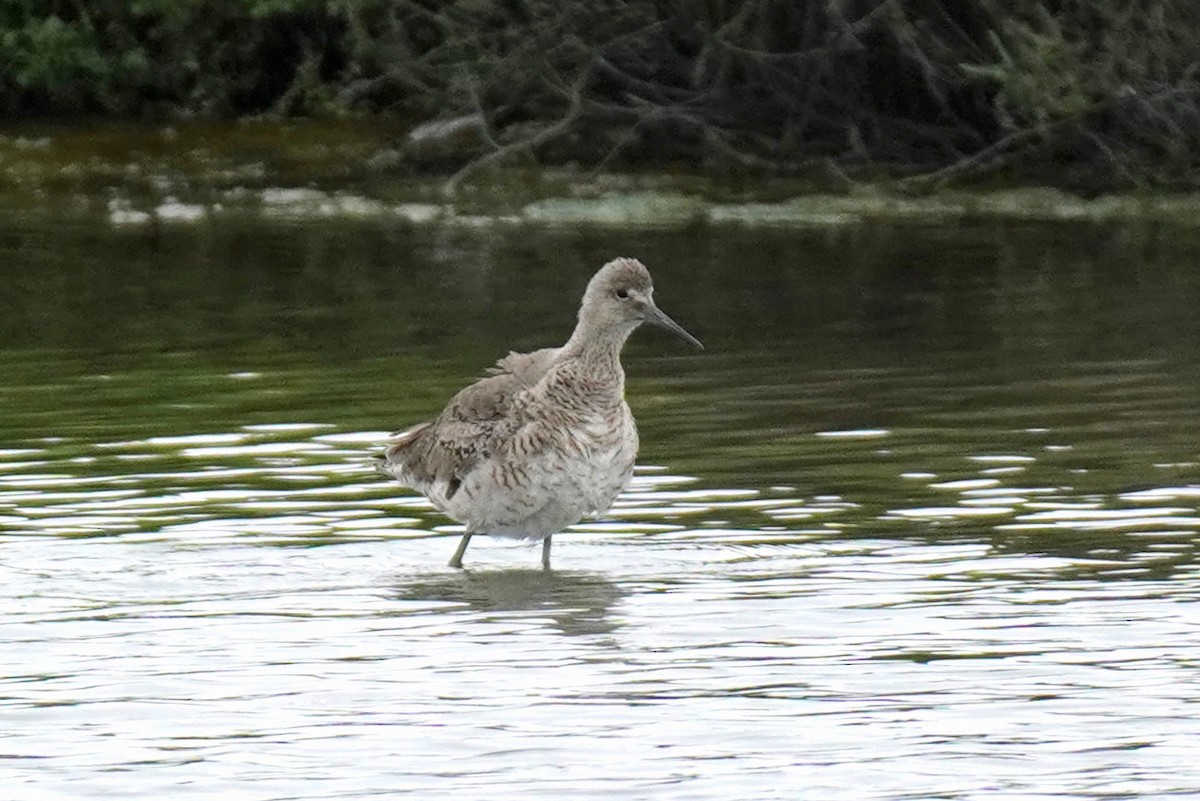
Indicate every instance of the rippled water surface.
{"type": "Point", "coordinates": [920, 523]}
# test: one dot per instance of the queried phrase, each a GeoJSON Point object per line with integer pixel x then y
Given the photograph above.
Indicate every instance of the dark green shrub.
{"type": "Point", "coordinates": [1095, 91]}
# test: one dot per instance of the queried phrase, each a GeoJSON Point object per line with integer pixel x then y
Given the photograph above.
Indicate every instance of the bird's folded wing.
{"type": "Point", "coordinates": [448, 447]}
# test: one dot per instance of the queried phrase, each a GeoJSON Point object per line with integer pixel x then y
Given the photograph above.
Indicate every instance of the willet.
{"type": "Point", "coordinates": [547, 437]}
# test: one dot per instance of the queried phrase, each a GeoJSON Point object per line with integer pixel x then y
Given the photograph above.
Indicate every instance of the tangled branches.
{"type": "Point", "coordinates": [1101, 93]}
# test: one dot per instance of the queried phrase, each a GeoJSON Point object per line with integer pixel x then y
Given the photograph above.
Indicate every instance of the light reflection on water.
{"type": "Point", "coordinates": [697, 640]}
{"type": "Point", "coordinates": [831, 579]}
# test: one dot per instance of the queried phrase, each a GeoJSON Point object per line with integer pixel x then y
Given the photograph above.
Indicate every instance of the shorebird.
{"type": "Point", "coordinates": [547, 437]}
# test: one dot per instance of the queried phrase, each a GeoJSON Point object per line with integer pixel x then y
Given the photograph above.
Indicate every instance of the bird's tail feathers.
{"type": "Point", "coordinates": [392, 458]}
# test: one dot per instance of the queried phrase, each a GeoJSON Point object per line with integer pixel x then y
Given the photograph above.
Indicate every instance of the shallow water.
{"type": "Point", "coordinates": [920, 523]}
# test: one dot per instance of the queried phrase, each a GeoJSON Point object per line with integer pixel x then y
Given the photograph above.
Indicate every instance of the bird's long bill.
{"type": "Point", "coordinates": [658, 317]}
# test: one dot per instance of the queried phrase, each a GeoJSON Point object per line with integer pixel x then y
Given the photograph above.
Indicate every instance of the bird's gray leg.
{"type": "Point", "coordinates": [546, 554]}
{"type": "Point", "coordinates": [456, 560]}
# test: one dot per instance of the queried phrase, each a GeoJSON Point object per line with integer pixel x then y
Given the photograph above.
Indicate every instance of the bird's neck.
{"type": "Point", "coordinates": [595, 343]}
{"type": "Point", "coordinates": [595, 356]}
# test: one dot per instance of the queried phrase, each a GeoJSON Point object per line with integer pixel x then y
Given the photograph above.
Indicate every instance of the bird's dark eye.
{"type": "Point", "coordinates": [622, 293]}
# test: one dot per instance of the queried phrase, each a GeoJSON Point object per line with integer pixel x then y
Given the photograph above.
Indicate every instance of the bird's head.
{"type": "Point", "coordinates": [621, 295]}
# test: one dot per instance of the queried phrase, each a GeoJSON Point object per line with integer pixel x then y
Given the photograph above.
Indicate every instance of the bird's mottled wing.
{"type": "Point", "coordinates": [439, 454]}
{"type": "Point", "coordinates": [526, 368]}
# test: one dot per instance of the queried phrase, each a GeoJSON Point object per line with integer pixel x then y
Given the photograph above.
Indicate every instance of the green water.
{"type": "Point", "coordinates": [920, 522]}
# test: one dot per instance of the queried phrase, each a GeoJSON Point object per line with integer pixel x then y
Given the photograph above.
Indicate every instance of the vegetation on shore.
{"type": "Point", "coordinates": [1096, 94]}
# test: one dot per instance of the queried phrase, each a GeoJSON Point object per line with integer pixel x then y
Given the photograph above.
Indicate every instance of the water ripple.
{"type": "Point", "coordinates": [934, 542]}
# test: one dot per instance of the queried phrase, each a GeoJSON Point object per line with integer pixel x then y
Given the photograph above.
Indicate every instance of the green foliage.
{"type": "Point", "coordinates": [46, 55]}
{"type": "Point", "coordinates": [1110, 87]}
{"type": "Point", "coordinates": [177, 57]}
{"type": "Point", "coordinates": [1040, 73]}
{"type": "Point", "coordinates": [941, 88]}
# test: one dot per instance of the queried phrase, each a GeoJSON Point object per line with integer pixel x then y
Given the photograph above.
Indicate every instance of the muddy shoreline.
{"type": "Point", "coordinates": [138, 175]}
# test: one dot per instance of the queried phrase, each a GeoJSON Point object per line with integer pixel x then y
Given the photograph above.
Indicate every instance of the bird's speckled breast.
{"type": "Point", "coordinates": [573, 468]}
{"type": "Point", "coordinates": [601, 463]}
